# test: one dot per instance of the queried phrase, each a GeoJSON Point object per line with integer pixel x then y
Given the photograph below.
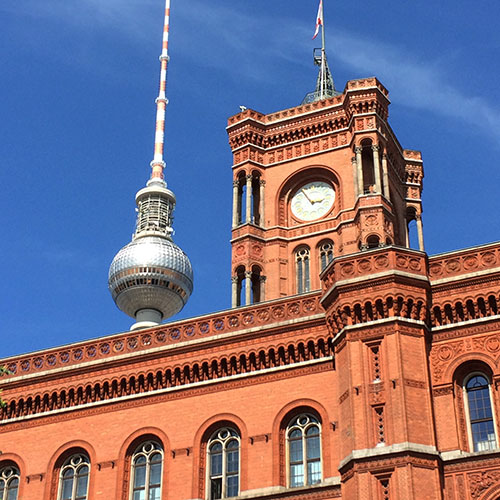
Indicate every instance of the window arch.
{"type": "Point", "coordinates": [325, 254]}
{"type": "Point", "coordinates": [74, 478]}
{"type": "Point", "coordinates": [9, 482]}
{"type": "Point", "coordinates": [303, 439]}
{"type": "Point", "coordinates": [479, 411]}
{"type": "Point", "coordinates": [223, 458]}
{"type": "Point", "coordinates": [146, 472]}
{"type": "Point", "coordinates": [303, 272]}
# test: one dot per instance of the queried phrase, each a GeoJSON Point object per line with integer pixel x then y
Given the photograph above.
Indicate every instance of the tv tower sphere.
{"type": "Point", "coordinates": [151, 278]}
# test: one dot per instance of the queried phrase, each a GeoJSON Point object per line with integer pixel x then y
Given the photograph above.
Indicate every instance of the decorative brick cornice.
{"type": "Point", "coordinates": [235, 320]}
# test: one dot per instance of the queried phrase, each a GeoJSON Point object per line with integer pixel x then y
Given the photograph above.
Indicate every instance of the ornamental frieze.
{"type": "Point", "coordinates": [443, 355]}
{"type": "Point", "coordinates": [464, 262]}
{"type": "Point", "coordinates": [225, 322]}
{"type": "Point", "coordinates": [481, 481]}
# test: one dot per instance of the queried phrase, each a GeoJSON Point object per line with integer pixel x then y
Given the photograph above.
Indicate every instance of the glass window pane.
{"type": "Point", "coordinates": [314, 472]}
{"type": "Point", "coordinates": [140, 495]}
{"type": "Point", "coordinates": [232, 461]}
{"type": "Point", "coordinates": [81, 486]}
{"type": "Point", "coordinates": [155, 475]}
{"type": "Point", "coordinates": [296, 475]}
{"type": "Point", "coordinates": [232, 445]}
{"type": "Point", "coordinates": [483, 436]}
{"type": "Point", "coordinates": [68, 473]}
{"type": "Point", "coordinates": [232, 486]}
{"type": "Point", "coordinates": [12, 493]}
{"type": "Point", "coordinates": [313, 448]}
{"type": "Point", "coordinates": [139, 476]}
{"type": "Point", "coordinates": [296, 451]}
{"type": "Point", "coordinates": [216, 464]}
{"type": "Point", "coordinates": [216, 488]}
{"type": "Point", "coordinates": [312, 431]}
{"type": "Point", "coordinates": [141, 459]}
{"type": "Point", "coordinates": [67, 489]}
{"type": "Point", "coordinates": [2, 484]}
{"type": "Point", "coordinates": [216, 447]}
{"type": "Point", "coordinates": [296, 433]}
{"type": "Point", "coordinates": [154, 493]}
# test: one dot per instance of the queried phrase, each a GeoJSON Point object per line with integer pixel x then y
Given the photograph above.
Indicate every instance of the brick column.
{"type": "Point", "coordinates": [236, 203]}
{"type": "Point", "coordinates": [249, 199]}
{"type": "Point", "coordinates": [359, 164]}
{"type": "Point", "coordinates": [385, 175]}
{"type": "Point", "coordinates": [376, 168]}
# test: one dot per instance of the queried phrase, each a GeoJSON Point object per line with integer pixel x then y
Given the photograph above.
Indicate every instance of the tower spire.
{"type": "Point", "coordinates": [151, 278]}
{"type": "Point", "coordinates": [158, 163]}
{"type": "Point", "coordinates": [325, 86]}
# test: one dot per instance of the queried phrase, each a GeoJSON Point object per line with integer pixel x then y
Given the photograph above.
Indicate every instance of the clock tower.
{"type": "Point", "coordinates": [321, 180]}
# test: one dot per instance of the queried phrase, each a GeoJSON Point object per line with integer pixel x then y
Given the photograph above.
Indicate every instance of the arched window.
{"type": "Point", "coordinates": [304, 451]}
{"type": "Point", "coordinates": [9, 483]}
{"type": "Point", "coordinates": [74, 478]}
{"type": "Point", "coordinates": [145, 476]}
{"type": "Point", "coordinates": [325, 254]}
{"type": "Point", "coordinates": [302, 262]}
{"type": "Point", "coordinates": [223, 464]}
{"type": "Point", "coordinates": [482, 429]}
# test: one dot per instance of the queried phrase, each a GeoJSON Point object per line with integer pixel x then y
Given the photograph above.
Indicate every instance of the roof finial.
{"type": "Point", "coordinates": [325, 87]}
{"type": "Point", "coordinates": [158, 163]}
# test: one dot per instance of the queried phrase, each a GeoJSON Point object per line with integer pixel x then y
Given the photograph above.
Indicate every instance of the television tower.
{"type": "Point", "coordinates": [151, 278]}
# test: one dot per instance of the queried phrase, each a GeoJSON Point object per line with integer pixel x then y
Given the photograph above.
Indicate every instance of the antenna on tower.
{"type": "Point", "coordinates": [325, 86]}
{"type": "Point", "coordinates": [158, 163]}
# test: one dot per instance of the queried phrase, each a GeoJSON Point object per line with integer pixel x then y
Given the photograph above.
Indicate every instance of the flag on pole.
{"type": "Point", "coordinates": [319, 19]}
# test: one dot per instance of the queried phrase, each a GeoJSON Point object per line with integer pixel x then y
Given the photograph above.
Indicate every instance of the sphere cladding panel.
{"type": "Point", "coordinates": [151, 273]}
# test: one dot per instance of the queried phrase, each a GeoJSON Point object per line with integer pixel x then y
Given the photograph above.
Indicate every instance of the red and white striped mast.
{"type": "Point", "coordinates": [158, 163]}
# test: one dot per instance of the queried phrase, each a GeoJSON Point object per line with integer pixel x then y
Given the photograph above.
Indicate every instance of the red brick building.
{"type": "Point", "coordinates": [360, 369]}
{"type": "Point", "coordinates": [351, 365]}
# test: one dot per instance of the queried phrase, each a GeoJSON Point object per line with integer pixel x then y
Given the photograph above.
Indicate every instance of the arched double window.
{"type": "Point", "coordinates": [9, 482]}
{"type": "Point", "coordinates": [146, 472]}
{"type": "Point", "coordinates": [302, 266]}
{"type": "Point", "coordinates": [325, 254]}
{"type": "Point", "coordinates": [223, 464]}
{"type": "Point", "coordinates": [481, 424]}
{"type": "Point", "coordinates": [303, 436]}
{"type": "Point", "coordinates": [74, 478]}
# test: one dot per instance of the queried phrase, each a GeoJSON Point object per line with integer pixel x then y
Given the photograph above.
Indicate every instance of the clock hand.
{"type": "Point", "coordinates": [308, 199]}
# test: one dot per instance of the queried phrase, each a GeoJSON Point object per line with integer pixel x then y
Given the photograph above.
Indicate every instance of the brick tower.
{"type": "Point", "coordinates": [321, 179]}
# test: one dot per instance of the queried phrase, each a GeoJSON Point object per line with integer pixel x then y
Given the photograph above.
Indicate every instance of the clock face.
{"type": "Point", "coordinates": [313, 200]}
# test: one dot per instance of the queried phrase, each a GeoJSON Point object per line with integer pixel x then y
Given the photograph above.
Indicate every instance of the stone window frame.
{"type": "Point", "coordinates": [75, 462]}
{"type": "Point", "coordinates": [9, 474]}
{"type": "Point", "coordinates": [466, 409]}
{"type": "Point", "coordinates": [141, 451]}
{"type": "Point", "coordinates": [293, 424]}
{"type": "Point", "coordinates": [218, 437]}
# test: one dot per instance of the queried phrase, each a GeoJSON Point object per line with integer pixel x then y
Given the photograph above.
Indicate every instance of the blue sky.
{"type": "Point", "coordinates": [78, 83]}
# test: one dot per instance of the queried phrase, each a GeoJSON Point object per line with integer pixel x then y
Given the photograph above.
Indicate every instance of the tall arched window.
{"type": "Point", "coordinates": [302, 261]}
{"type": "Point", "coordinates": [304, 450]}
{"type": "Point", "coordinates": [74, 478]}
{"type": "Point", "coordinates": [223, 464]}
{"type": "Point", "coordinates": [482, 428]}
{"type": "Point", "coordinates": [146, 472]}
{"type": "Point", "coordinates": [325, 254]}
{"type": "Point", "coordinates": [9, 482]}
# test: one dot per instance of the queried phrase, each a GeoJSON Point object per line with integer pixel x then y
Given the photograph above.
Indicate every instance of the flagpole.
{"type": "Point", "coordinates": [323, 53]}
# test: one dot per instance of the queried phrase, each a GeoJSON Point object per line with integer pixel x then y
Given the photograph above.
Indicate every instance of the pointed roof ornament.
{"type": "Point", "coordinates": [325, 86]}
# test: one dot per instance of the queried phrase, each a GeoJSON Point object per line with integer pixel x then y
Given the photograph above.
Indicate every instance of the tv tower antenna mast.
{"type": "Point", "coordinates": [151, 278]}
